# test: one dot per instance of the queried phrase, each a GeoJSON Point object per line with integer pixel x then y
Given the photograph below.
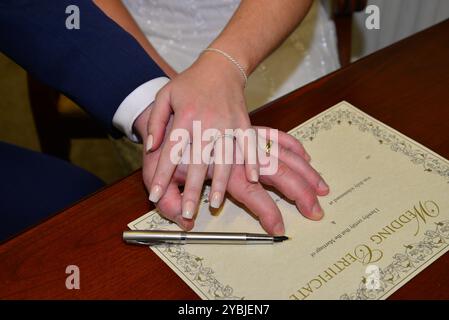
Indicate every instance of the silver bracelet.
{"type": "Point", "coordinates": [230, 58]}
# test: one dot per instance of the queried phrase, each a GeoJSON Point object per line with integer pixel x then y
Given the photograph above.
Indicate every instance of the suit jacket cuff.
{"type": "Point", "coordinates": [134, 104]}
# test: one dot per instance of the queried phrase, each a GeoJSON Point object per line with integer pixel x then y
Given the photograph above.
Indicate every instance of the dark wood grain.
{"type": "Point", "coordinates": [405, 85]}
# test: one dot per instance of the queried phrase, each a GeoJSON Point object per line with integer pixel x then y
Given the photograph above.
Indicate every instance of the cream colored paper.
{"type": "Point", "coordinates": [386, 219]}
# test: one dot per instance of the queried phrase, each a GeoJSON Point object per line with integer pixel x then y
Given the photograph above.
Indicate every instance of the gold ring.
{"type": "Point", "coordinates": [268, 147]}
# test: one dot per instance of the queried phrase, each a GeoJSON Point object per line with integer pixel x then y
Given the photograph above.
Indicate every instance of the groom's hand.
{"type": "Point", "coordinates": [295, 179]}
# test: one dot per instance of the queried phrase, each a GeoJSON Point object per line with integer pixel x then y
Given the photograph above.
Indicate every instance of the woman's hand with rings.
{"type": "Point", "coordinates": [211, 92]}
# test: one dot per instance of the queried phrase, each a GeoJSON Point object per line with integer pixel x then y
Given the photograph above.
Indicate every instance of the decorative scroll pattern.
{"type": "Point", "coordinates": [156, 222]}
{"type": "Point", "coordinates": [343, 116]}
{"type": "Point", "coordinates": [203, 276]}
{"type": "Point", "coordinates": [190, 265]}
{"type": "Point", "coordinates": [413, 257]}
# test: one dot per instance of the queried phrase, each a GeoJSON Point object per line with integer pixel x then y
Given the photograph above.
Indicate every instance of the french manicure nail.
{"type": "Point", "coordinates": [279, 229]}
{"type": "Point", "coordinates": [215, 201]}
{"type": "Point", "coordinates": [254, 175]}
{"type": "Point", "coordinates": [149, 143]}
{"type": "Point", "coordinates": [317, 211]}
{"type": "Point", "coordinates": [323, 186]}
{"type": "Point", "coordinates": [187, 210]}
{"type": "Point", "coordinates": [155, 193]}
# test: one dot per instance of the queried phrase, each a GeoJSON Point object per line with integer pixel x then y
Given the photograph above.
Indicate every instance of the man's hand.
{"type": "Point", "coordinates": [295, 179]}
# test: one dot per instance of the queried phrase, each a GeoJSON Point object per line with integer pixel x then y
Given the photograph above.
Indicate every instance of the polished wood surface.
{"type": "Point", "coordinates": [406, 86]}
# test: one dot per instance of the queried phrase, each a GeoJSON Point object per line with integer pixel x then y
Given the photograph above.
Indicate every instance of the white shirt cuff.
{"type": "Point", "coordinates": [134, 104]}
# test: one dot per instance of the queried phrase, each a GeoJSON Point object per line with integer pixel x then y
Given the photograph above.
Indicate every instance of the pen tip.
{"type": "Point", "coordinates": [280, 238]}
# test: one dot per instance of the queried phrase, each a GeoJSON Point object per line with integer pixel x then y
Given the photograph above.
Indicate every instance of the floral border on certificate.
{"type": "Point", "coordinates": [190, 265]}
{"type": "Point", "coordinates": [415, 255]}
{"type": "Point", "coordinates": [404, 264]}
{"type": "Point", "coordinates": [384, 135]}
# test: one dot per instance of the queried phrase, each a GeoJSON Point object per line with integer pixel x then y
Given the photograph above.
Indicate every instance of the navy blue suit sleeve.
{"type": "Point", "coordinates": [97, 65]}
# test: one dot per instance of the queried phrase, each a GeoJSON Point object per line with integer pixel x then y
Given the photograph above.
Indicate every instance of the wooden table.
{"type": "Point", "coordinates": [405, 85]}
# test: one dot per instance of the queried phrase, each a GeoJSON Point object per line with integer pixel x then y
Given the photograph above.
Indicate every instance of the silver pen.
{"type": "Point", "coordinates": [155, 237]}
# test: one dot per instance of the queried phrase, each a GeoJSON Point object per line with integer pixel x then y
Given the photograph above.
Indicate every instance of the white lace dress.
{"type": "Point", "coordinates": [180, 30]}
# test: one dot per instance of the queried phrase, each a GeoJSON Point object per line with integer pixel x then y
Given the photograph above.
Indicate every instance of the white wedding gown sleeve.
{"type": "Point", "coordinates": [180, 30]}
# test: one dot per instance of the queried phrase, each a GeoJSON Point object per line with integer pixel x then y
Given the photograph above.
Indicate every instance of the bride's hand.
{"type": "Point", "coordinates": [211, 92]}
{"type": "Point", "coordinates": [295, 179]}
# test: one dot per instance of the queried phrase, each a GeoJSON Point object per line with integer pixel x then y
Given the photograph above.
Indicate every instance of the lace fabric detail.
{"type": "Point", "coordinates": [180, 30]}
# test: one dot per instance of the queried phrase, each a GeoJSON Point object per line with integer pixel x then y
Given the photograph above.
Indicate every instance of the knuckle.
{"type": "Point", "coordinates": [163, 91]}
{"type": "Point", "coordinates": [165, 209]}
{"type": "Point", "coordinates": [282, 170]}
{"type": "Point", "coordinates": [166, 204]}
{"type": "Point", "coordinates": [283, 152]}
{"type": "Point", "coordinates": [306, 197]}
{"type": "Point", "coordinates": [297, 147]}
{"type": "Point", "coordinates": [163, 206]}
{"type": "Point", "coordinates": [158, 99]}
{"type": "Point", "coordinates": [269, 220]}
{"type": "Point", "coordinates": [189, 111]}
{"type": "Point", "coordinates": [158, 95]}
{"type": "Point", "coordinates": [192, 193]}
{"type": "Point", "coordinates": [227, 119]}
{"type": "Point", "coordinates": [296, 144]}
{"type": "Point", "coordinates": [313, 176]}
{"type": "Point", "coordinates": [291, 141]}
{"type": "Point", "coordinates": [251, 189]}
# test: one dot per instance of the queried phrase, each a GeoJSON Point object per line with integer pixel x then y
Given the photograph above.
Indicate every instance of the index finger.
{"type": "Point", "coordinates": [170, 156]}
{"type": "Point", "coordinates": [257, 200]}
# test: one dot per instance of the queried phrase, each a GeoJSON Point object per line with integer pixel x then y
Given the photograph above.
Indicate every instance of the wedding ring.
{"type": "Point", "coordinates": [268, 147]}
{"type": "Point", "coordinates": [224, 135]}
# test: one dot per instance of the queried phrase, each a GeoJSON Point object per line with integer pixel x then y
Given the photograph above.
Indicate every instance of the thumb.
{"type": "Point", "coordinates": [159, 117]}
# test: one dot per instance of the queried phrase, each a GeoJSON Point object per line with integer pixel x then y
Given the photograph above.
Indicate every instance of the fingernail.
{"type": "Point", "coordinates": [187, 210]}
{"type": "Point", "coordinates": [155, 193]}
{"type": "Point", "coordinates": [323, 186]}
{"type": "Point", "coordinates": [317, 211]}
{"type": "Point", "coordinates": [215, 201]}
{"type": "Point", "coordinates": [149, 143]}
{"type": "Point", "coordinates": [279, 229]}
{"type": "Point", "coordinates": [254, 175]}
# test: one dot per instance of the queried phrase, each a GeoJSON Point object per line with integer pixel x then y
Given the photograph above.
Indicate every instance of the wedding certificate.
{"type": "Point", "coordinates": [386, 219]}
